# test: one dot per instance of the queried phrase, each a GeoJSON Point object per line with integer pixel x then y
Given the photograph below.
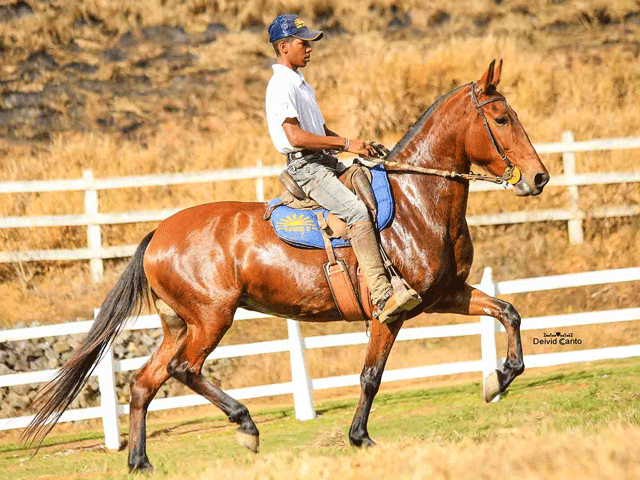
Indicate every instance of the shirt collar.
{"type": "Point", "coordinates": [295, 76]}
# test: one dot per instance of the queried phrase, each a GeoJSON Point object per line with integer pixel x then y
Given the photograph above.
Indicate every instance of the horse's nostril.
{"type": "Point", "coordinates": [541, 179]}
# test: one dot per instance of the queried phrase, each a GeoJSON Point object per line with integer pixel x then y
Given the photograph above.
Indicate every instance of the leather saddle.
{"type": "Point", "coordinates": [356, 178]}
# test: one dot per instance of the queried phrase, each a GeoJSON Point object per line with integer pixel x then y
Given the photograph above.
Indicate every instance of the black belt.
{"type": "Point", "coordinates": [303, 153]}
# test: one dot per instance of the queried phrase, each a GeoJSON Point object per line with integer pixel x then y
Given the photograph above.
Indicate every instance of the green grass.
{"type": "Point", "coordinates": [589, 399]}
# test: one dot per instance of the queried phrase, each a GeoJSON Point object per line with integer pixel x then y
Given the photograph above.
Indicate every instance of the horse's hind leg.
{"type": "Point", "coordinates": [380, 342]}
{"type": "Point", "coordinates": [471, 301]}
{"type": "Point", "coordinates": [201, 338]}
{"type": "Point", "coordinates": [146, 383]}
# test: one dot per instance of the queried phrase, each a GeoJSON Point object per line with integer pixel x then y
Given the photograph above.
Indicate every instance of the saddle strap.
{"type": "Point", "coordinates": [325, 238]}
{"type": "Point", "coordinates": [344, 295]}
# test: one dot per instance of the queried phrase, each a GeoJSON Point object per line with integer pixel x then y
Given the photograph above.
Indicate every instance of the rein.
{"type": "Point", "coordinates": [511, 174]}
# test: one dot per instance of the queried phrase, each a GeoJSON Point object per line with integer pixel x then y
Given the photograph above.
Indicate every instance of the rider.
{"type": "Point", "coordinates": [298, 130]}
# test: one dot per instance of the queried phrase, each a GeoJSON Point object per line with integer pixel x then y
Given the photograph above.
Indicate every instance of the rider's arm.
{"type": "Point", "coordinates": [300, 138]}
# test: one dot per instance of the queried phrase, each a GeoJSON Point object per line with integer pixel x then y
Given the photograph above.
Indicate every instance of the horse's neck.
{"type": "Point", "coordinates": [440, 145]}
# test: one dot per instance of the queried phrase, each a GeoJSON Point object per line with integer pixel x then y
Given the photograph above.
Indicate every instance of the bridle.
{"type": "Point", "coordinates": [511, 175]}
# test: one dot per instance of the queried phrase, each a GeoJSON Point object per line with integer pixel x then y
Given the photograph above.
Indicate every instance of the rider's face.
{"type": "Point", "coordinates": [298, 52]}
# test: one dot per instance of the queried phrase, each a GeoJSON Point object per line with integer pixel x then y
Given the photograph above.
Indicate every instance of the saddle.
{"type": "Point", "coordinates": [302, 222]}
{"type": "Point", "coordinates": [293, 214]}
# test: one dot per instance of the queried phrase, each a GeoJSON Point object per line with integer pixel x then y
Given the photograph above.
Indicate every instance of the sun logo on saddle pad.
{"type": "Point", "coordinates": [296, 223]}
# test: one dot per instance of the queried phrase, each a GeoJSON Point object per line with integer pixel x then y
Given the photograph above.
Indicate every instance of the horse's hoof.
{"type": "Point", "coordinates": [491, 386]}
{"type": "Point", "coordinates": [362, 442]}
{"type": "Point", "coordinates": [367, 442]}
{"type": "Point", "coordinates": [142, 467]}
{"type": "Point", "coordinates": [248, 440]}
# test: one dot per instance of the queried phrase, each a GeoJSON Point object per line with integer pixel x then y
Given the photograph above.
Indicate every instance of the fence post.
{"type": "Point", "coordinates": [93, 229]}
{"type": "Point", "coordinates": [302, 390]}
{"type": "Point", "coordinates": [259, 185]}
{"type": "Point", "coordinates": [108, 397]}
{"type": "Point", "coordinates": [488, 328]}
{"type": "Point", "coordinates": [576, 231]}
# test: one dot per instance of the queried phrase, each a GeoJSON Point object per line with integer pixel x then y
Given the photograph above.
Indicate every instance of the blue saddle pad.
{"type": "Point", "coordinates": [300, 227]}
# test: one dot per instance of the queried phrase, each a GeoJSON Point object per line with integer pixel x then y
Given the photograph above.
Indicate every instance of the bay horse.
{"type": "Point", "coordinates": [204, 262]}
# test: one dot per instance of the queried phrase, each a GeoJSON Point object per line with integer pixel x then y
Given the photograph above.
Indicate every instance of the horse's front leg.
{"type": "Point", "coordinates": [380, 342]}
{"type": "Point", "coordinates": [471, 301]}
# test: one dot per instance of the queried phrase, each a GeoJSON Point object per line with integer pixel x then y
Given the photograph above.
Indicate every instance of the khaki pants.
{"type": "Point", "coordinates": [316, 175]}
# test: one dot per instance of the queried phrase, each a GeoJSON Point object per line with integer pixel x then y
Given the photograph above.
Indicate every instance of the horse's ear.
{"type": "Point", "coordinates": [496, 74]}
{"type": "Point", "coordinates": [486, 80]}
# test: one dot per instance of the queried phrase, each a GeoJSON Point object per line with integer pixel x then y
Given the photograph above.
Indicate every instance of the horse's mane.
{"type": "Point", "coordinates": [418, 124]}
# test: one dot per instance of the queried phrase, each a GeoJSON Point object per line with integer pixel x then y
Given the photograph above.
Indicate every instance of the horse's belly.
{"type": "Point", "coordinates": [292, 310]}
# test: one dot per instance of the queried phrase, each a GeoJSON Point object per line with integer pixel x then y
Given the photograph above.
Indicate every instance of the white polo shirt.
{"type": "Point", "coordinates": [289, 96]}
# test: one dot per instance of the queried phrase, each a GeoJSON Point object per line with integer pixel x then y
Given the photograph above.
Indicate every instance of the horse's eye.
{"type": "Point", "coordinates": [502, 120]}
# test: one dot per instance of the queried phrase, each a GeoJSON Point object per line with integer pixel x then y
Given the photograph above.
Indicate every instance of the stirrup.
{"type": "Point", "coordinates": [403, 299]}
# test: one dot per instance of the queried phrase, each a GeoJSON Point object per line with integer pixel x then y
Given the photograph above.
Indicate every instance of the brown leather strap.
{"type": "Point", "coordinates": [343, 293]}
{"type": "Point", "coordinates": [339, 281]}
{"type": "Point", "coordinates": [327, 241]}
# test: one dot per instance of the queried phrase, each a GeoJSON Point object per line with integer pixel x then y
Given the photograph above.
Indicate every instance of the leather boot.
{"type": "Point", "coordinates": [365, 246]}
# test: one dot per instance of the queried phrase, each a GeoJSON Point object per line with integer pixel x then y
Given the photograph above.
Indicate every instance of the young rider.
{"type": "Point", "coordinates": [298, 130]}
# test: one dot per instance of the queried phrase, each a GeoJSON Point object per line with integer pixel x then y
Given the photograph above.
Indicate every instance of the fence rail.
{"type": "Point", "coordinates": [302, 386]}
{"type": "Point", "coordinates": [92, 219]}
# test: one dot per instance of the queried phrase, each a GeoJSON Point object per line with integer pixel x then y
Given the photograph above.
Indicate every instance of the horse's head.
{"type": "Point", "coordinates": [496, 140]}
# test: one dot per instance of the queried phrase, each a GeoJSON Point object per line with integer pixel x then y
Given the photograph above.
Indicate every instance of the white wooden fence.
{"type": "Point", "coordinates": [93, 219]}
{"type": "Point", "coordinates": [301, 386]}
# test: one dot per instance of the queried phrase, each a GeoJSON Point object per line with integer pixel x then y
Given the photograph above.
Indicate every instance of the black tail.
{"type": "Point", "coordinates": [124, 301]}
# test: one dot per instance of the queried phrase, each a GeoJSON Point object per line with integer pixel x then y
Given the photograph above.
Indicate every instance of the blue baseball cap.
{"type": "Point", "coordinates": [291, 26]}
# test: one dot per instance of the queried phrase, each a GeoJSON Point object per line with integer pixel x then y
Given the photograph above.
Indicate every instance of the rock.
{"type": "Point", "coordinates": [115, 55]}
{"type": "Point", "coordinates": [439, 18]}
{"type": "Point", "coordinates": [131, 127]}
{"type": "Point", "coordinates": [146, 339]}
{"type": "Point", "coordinates": [210, 34]}
{"type": "Point", "coordinates": [165, 34]}
{"type": "Point", "coordinates": [21, 390]}
{"type": "Point", "coordinates": [9, 359]}
{"type": "Point", "coordinates": [40, 60]}
{"type": "Point", "coordinates": [127, 40]}
{"type": "Point", "coordinates": [92, 85]}
{"type": "Point", "coordinates": [161, 34]}
{"type": "Point", "coordinates": [632, 17]}
{"type": "Point", "coordinates": [42, 354]}
{"type": "Point", "coordinates": [61, 346]}
{"type": "Point", "coordinates": [482, 20]}
{"type": "Point", "coordinates": [81, 67]}
{"type": "Point", "coordinates": [132, 348]}
{"type": "Point", "coordinates": [15, 402]}
{"type": "Point", "coordinates": [558, 26]}
{"type": "Point", "coordinates": [179, 60]}
{"type": "Point", "coordinates": [15, 11]}
{"type": "Point", "coordinates": [400, 21]}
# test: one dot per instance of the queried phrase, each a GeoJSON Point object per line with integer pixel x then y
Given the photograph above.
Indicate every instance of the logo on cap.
{"type": "Point", "coordinates": [291, 26]}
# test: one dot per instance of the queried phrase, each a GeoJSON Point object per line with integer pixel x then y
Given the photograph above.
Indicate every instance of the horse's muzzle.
{"type": "Point", "coordinates": [524, 189]}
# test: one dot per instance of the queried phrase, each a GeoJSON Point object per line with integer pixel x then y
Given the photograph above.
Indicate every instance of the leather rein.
{"type": "Point", "coordinates": [511, 175]}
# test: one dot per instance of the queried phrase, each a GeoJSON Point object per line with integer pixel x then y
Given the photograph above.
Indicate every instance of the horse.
{"type": "Point", "coordinates": [204, 262]}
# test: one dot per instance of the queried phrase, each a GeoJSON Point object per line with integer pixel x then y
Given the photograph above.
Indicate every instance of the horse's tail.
{"type": "Point", "coordinates": [124, 301]}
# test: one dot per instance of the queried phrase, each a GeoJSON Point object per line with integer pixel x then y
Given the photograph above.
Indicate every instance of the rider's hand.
{"type": "Point", "coordinates": [361, 147]}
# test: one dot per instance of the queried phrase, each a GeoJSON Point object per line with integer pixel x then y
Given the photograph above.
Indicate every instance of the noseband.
{"type": "Point", "coordinates": [512, 174]}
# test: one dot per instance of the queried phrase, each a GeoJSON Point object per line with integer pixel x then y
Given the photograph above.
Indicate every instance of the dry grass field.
{"type": "Point", "coordinates": [151, 87]}
{"type": "Point", "coordinates": [579, 422]}
{"type": "Point", "coordinates": [176, 86]}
